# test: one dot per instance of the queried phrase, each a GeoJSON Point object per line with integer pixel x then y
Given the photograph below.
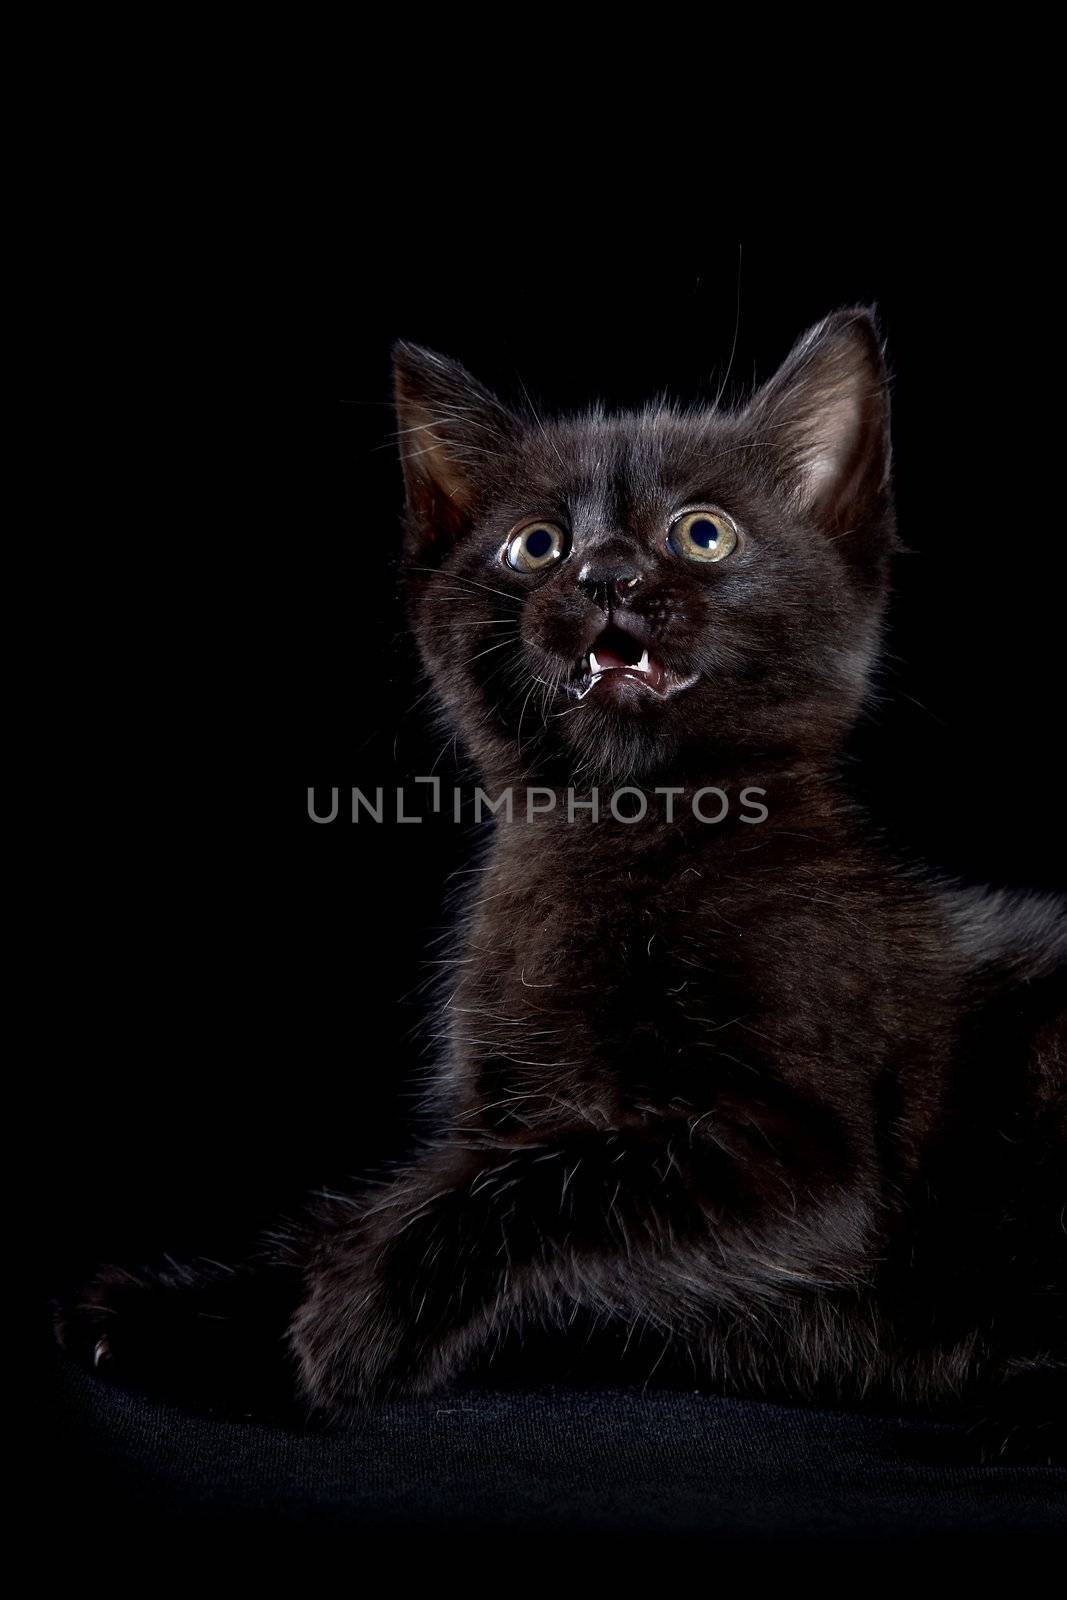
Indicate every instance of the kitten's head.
{"type": "Point", "coordinates": [655, 592]}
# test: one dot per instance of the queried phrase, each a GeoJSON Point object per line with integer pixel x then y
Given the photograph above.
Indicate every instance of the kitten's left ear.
{"type": "Point", "coordinates": [824, 417]}
{"type": "Point", "coordinates": [453, 436]}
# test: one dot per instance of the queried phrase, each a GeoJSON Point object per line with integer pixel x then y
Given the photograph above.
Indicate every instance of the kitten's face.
{"type": "Point", "coordinates": [647, 595]}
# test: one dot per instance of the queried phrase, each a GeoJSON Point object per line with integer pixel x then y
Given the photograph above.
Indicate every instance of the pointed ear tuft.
{"type": "Point", "coordinates": [825, 413]}
{"type": "Point", "coordinates": [452, 433]}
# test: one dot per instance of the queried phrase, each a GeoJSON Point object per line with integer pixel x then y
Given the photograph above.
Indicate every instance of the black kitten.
{"type": "Point", "coordinates": [793, 1113]}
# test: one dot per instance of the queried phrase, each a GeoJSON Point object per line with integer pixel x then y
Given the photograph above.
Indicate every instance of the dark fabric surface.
{"type": "Point", "coordinates": [552, 1462]}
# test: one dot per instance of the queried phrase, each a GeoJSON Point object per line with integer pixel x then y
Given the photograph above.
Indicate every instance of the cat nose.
{"type": "Point", "coordinates": [609, 582]}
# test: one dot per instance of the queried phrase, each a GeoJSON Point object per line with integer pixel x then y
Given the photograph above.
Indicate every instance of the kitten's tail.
{"type": "Point", "coordinates": [1016, 935]}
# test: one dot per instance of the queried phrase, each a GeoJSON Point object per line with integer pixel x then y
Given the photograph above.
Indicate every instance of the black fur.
{"type": "Point", "coordinates": [788, 1113]}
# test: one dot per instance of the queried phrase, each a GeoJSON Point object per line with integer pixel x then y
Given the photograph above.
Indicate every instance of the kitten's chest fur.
{"type": "Point", "coordinates": [616, 976]}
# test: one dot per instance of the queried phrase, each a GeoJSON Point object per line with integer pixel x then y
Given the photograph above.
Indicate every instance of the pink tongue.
{"type": "Point", "coordinates": [608, 661]}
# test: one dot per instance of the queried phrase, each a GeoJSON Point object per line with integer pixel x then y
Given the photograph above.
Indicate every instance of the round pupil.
{"type": "Point", "coordinates": [538, 543]}
{"type": "Point", "coordinates": [703, 532]}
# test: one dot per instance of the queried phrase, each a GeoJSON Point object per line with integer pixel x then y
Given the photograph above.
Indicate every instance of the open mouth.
{"type": "Point", "coordinates": [618, 663]}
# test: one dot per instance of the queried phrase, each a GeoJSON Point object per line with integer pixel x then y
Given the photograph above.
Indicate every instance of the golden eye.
{"type": "Point", "coordinates": [535, 546]}
{"type": "Point", "coordinates": [702, 535]}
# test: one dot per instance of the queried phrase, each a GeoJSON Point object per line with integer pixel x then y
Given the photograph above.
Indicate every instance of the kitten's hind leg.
{"type": "Point", "coordinates": [203, 1333]}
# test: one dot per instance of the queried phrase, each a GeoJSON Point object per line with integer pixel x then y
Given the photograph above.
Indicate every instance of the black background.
{"type": "Point", "coordinates": [241, 986]}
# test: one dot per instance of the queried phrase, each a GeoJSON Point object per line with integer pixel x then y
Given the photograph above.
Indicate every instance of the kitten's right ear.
{"type": "Point", "coordinates": [452, 434]}
{"type": "Point", "coordinates": [825, 414]}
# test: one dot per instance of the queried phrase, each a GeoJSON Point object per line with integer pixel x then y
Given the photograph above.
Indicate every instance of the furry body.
{"type": "Point", "coordinates": [786, 1113]}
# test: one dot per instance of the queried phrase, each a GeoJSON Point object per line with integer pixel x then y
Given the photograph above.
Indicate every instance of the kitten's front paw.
{"type": "Point", "coordinates": [99, 1324]}
{"type": "Point", "coordinates": [352, 1346]}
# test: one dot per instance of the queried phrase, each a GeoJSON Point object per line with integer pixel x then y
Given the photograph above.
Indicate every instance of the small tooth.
{"type": "Point", "coordinates": [642, 665]}
{"type": "Point", "coordinates": [594, 664]}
